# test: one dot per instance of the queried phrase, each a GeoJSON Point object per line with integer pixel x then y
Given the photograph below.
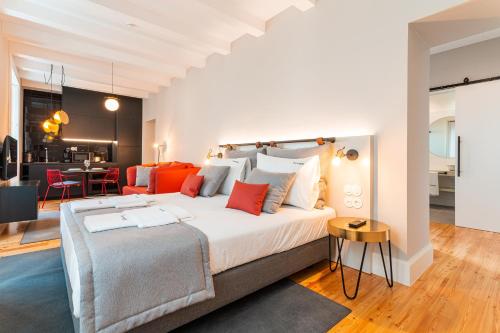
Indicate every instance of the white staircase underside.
{"type": "Point", "coordinates": [150, 42]}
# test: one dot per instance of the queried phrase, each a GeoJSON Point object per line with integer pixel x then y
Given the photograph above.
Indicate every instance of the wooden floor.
{"type": "Point", "coordinates": [460, 292]}
{"type": "Point", "coordinates": [12, 233]}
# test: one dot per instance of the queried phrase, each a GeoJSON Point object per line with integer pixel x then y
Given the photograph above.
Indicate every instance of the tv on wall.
{"type": "Point", "coordinates": [8, 166]}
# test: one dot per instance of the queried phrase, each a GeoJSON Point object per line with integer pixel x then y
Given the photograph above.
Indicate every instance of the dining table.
{"type": "Point", "coordinates": [85, 174]}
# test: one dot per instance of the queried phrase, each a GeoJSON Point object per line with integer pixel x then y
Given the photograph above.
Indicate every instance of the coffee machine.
{"type": "Point", "coordinates": [67, 155]}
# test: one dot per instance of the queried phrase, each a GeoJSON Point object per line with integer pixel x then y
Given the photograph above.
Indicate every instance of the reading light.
{"type": "Point", "coordinates": [210, 155]}
{"type": "Point", "coordinates": [158, 146]}
{"type": "Point", "coordinates": [352, 155]}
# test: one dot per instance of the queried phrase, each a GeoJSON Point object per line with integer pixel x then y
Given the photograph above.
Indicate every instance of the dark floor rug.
{"type": "Point", "coordinates": [43, 229]}
{"type": "Point", "coordinates": [33, 298]}
{"type": "Point", "coordinates": [33, 294]}
{"type": "Point", "coordinates": [442, 214]}
{"type": "Point", "coordinates": [282, 307]}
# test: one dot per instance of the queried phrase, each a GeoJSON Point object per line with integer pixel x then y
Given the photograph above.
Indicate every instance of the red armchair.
{"type": "Point", "coordinates": [165, 178]}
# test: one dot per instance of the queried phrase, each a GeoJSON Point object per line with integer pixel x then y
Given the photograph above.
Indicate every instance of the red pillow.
{"type": "Point", "coordinates": [248, 197]}
{"type": "Point", "coordinates": [191, 185]}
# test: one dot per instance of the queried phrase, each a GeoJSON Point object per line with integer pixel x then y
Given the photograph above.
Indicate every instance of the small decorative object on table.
{"type": "Point", "coordinates": [358, 230]}
{"type": "Point", "coordinates": [86, 163]}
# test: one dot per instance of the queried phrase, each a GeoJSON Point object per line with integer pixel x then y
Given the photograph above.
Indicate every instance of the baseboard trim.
{"type": "Point", "coordinates": [407, 271]}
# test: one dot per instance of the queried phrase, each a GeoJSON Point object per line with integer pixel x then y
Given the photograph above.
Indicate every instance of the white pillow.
{"type": "Point", "coordinates": [304, 191]}
{"type": "Point", "coordinates": [239, 169]}
{"type": "Point", "coordinates": [142, 176]}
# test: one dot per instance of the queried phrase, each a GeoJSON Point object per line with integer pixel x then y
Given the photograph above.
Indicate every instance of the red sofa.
{"type": "Point", "coordinates": [166, 177]}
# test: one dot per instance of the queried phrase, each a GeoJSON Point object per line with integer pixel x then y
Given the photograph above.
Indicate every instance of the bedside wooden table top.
{"type": "Point", "coordinates": [372, 232]}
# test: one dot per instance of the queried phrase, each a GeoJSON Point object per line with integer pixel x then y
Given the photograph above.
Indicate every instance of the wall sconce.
{"type": "Point", "coordinates": [159, 148]}
{"type": "Point", "coordinates": [210, 155]}
{"type": "Point", "coordinates": [351, 154]}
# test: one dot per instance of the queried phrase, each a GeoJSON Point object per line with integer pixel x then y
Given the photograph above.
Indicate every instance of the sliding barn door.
{"type": "Point", "coordinates": [478, 184]}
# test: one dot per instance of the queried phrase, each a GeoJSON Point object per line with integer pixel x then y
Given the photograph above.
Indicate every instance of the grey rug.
{"type": "Point", "coordinates": [282, 307]}
{"type": "Point", "coordinates": [33, 294]}
{"type": "Point", "coordinates": [33, 298]}
{"type": "Point", "coordinates": [43, 229]}
{"type": "Point", "coordinates": [442, 214]}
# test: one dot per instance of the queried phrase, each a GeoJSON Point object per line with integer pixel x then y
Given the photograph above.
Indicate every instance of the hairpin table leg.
{"type": "Point", "coordinates": [391, 283]}
{"type": "Point", "coordinates": [359, 274]}
{"type": "Point", "coordinates": [330, 254]}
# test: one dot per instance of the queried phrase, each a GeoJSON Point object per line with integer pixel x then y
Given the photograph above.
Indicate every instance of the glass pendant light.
{"type": "Point", "coordinates": [111, 103]}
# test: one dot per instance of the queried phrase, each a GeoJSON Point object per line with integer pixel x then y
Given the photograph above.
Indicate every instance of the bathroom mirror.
{"type": "Point", "coordinates": [442, 138]}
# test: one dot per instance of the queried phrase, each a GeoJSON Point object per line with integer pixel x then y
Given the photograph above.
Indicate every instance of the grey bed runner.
{"type": "Point", "coordinates": [131, 276]}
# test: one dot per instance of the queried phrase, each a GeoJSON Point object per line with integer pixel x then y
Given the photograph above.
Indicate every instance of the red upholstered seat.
{"type": "Point", "coordinates": [167, 177]}
{"type": "Point", "coordinates": [126, 190]}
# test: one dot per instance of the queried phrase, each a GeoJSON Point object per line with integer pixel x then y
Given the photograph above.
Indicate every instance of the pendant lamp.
{"type": "Point", "coordinates": [111, 103]}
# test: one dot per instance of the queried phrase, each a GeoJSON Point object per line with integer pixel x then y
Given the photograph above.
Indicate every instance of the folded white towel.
{"type": "Point", "coordinates": [182, 214]}
{"type": "Point", "coordinates": [131, 204]}
{"type": "Point", "coordinates": [92, 204]}
{"type": "Point", "coordinates": [149, 217]}
{"type": "Point", "coordinates": [96, 223]}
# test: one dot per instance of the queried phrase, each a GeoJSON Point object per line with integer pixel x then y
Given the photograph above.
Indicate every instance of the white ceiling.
{"type": "Point", "coordinates": [150, 42]}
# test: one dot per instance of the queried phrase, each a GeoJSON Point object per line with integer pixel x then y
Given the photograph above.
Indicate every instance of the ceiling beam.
{"type": "Point", "coordinates": [60, 41]}
{"type": "Point", "coordinates": [69, 61]}
{"type": "Point", "coordinates": [303, 5]}
{"type": "Point", "coordinates": [36, 85]}
{"type": "Point", "coordinates": [83, 84]}
{"type": "Point", "coordinates": [171, 27]}
{"type": "Point", "coordinates": [104, 78]}
{"type": "Point", "coordinates": [62, 16]}
{"type": "Point", "coordinates": [232, 12]}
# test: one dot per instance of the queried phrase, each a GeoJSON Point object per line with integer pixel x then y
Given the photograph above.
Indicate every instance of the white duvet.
{"type": "Point", "coordinates": [235, 237]}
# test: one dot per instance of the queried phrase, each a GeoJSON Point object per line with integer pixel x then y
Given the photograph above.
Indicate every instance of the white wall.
{"type": "Point", "coordinates": [4, 86]}
{"type": "Point", "coordinates": [338, 69]}
{"type": "Point", "coordinates": [476, 61]}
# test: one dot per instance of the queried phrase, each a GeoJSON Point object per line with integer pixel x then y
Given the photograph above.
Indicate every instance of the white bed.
{"type": "Point", "coordinates": [234, 237]}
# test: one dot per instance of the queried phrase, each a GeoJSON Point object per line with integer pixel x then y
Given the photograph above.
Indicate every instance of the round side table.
{"type": "Point", "coordinates": [372, 232]}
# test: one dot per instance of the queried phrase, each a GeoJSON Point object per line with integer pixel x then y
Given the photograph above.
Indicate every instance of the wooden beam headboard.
{"type": "Point", "coordinates": [259, 144]}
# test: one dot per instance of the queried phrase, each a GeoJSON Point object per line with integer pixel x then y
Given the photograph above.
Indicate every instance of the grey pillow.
{"type": "Point", "coordinates": [279, 184]}
{"type": "Point", "coordinates": [142, 175]}
{"type": "Point", "coordinates": [325, 153]}
{"type": "Point", "coordinates": [251, 154]}
{"type": "Point", "coordinates": [213, 175]}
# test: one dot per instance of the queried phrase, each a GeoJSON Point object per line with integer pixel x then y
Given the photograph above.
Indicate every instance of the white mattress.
{"type": "Point", "coordinates": [235, 237]}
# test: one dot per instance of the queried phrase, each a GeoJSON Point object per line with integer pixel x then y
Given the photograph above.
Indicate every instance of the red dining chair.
{"type": "Point", "coordinates": [111, 177]}
{"type": "Point", "coordinates": [55, 179]}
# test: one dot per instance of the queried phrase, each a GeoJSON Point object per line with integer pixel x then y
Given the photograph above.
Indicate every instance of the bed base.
{"type": "Point", "coordinates": [233, 284]}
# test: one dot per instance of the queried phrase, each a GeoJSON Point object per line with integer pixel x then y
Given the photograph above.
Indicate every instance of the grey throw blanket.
{"type": "Point", "coordinates": [131, 276]}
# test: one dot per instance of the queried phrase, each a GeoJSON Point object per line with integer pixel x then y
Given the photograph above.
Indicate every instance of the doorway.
{"type": "Point", "coordinates": [442, 156]}
{"type": "Point", "coordinates": [148, 139]}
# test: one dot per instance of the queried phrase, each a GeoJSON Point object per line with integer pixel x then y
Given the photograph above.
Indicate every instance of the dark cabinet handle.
{"type": "Point", "coordinates": [458, 156]}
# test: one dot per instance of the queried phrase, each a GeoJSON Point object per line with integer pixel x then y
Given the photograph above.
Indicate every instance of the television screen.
{"type": "Point", "coordinates": [9, 158]}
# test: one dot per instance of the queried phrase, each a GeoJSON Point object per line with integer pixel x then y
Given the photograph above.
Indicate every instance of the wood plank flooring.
{"type": "Point", "coordinates": [12, 234]}
{"type": "Point", "coordinates": [460, 292]}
